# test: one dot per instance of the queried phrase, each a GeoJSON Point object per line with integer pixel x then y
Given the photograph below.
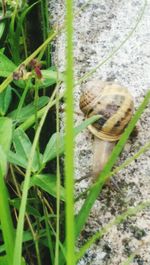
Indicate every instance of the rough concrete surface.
{"type": "Point", "coordinates": [100, 27]}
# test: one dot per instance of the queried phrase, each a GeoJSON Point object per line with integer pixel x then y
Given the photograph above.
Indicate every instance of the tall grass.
{"type": "Point", "coordinates": [104, 175]}
{"type": "Point", "coordinates": [19, 232]}
{"type": "Point", "coordinates": [5, 214]}
{"type": "Point", "coordinates": [117, 220]}
{"type": "Point", "coordinates": [69, 140]}
{"type": "Point", "coordinates": [65, 252]}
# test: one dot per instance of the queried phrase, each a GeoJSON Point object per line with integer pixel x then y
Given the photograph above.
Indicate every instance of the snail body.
{"type": "Point", "coordinates": [114, 104]}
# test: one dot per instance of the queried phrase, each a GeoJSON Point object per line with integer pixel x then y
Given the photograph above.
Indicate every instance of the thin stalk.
{"type": "Point", "coordinates": [24, 41]}
{"type": "Point", "coordinates": [69, 139]}
{"type": "Point", "coordinates": [49, 238]}
{"type": "Point", "coordinates": [119, 219]}
{"type": "Point", "coordinates": [35, 239]}
{"type": "Point", "coordinates": [128, 161]}
{"type": "Point", "coordinates": [52, 36]}
{"type": "Point", "coordinates": [37, 252]}
{"type": "Point", "coordinates": [50, 225]}
{"type": "Point", "coordinates": [36, 98]}
{"type": "Point", "coordinates": [94, 191]}
{"type": "Point", "coordinates": [116, 49]}
{"type": "Point", "coordinates": [58, 208]}
{"type": "Point", "coordinates": [103, 177]}
{"type": "Point", "coordinates": [130, 258]}
{"type": "Point", "coordinates": [136, 252]}
{"type": "Point", "coordinates": [27, 60]}
{"type": "Point", "coordinates": [19, 231]}
{"type": "Point", "coordinates": [6, 220]}
{"type": "Point", "coordinates": [31, 120]}
{"type": "Point", "coordinates": [57, 185]}
{"type": "Point", "coordinates": [45, 29]}
{"type": "Point", "coordinates": [27, 217]}
{"type": "Point", "coordinates": [22, 99]}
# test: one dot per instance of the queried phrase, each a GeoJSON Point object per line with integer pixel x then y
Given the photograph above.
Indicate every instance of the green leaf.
{"type": "Point", "coordinates": [5, 133]}
{"type": "Point", "coordinates": [51, 151]}
{"type": "Point", "coordinates": [28, 110]}
{"type": "Point", "coordinates": [3, 260]}
{"type": "Point", "coordinates": [6, 66]}
{"type": "Point", "coordinates": [50, 77]}
{"type": "Point", "coordinates": [27, 236]}
{"type": "Point", "coordinates": [29, 209]}
{"type": "Point", "coordinates": [15, 33]}
{"type": "Point", "coordinates": [5, 215]}
{"type": "Point", "coordinates": [3, 162]}
{"type": "Point", "coordinates": [2, 27]}
{"type": "Point", "coordinates": [5, 99]}
{"type": "Point", "coordinates": [2, 249]}
{"type": "Point", "coordinates": [16, 159]}
{"type": "Point", "coordinates": [56, 143]}
{"type": "Point", "coordinates": [47, 182]}
{"type": "Point", "coordinates": [23, 261]}
{"type": "Point", "coordinates": [22, 147]}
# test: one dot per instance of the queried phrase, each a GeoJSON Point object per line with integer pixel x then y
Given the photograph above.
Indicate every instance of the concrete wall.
{"type": "Point", "coordinates": [99, 28]}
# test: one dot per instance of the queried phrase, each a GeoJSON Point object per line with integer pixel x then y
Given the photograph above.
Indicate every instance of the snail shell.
{"type": "Point", "coordinates": [114, 104]}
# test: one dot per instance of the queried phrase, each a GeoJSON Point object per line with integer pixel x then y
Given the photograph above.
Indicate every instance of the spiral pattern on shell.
{"type": "Point", "coordinates": [112, 102]}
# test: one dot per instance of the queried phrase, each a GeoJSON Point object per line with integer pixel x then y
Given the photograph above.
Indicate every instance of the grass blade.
{"type": "Point", "coordinates": [5, 215]}
{"type": "Point", "coordinates": [120, 218]}
{"type": "Point", "coordinates": [69, 140]}
{"type": "Point", "coordinates": [116, 49]}
{"type": "Point", "coordinates": [51, 148]}
{"type": "Point", "coordinates": [96, 188]}
{"type": "Point", "coordinates": [19, 232]}
{"type": "Point", "coordinates": [49, 236]}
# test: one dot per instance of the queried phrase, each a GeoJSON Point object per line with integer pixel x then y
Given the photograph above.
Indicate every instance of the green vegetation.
{"type": "Point", "coordinates": [36, 201]}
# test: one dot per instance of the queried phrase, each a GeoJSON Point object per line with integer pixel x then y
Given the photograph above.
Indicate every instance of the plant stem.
{"type": "Point", "coordinates": [6, 220]}
{"type": "Point", "coordinates": [103, 177]}
{"type": "Point", "coordinates": [69, 139]}
{"type": "Point", "coordinates": [19, 232]}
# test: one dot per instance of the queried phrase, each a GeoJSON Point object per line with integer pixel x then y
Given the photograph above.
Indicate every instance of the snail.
{"type": "Point", "coordinates": [114, 104]}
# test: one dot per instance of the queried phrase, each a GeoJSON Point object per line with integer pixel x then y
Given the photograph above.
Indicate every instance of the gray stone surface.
{"type": "Point", "coordinates": [100, 27]}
